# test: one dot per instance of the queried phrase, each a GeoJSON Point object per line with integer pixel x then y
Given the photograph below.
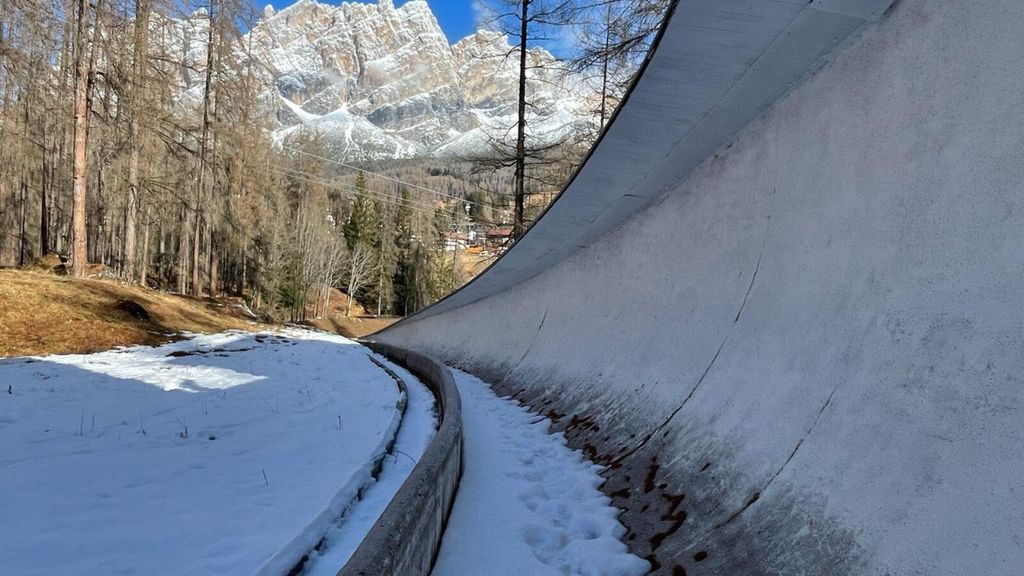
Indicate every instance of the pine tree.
{"type": "Point", "coordinates": [386, 249]}
{"type": "Point", "coordinates": [407, 257]}
{"type": "Point", "coordinates": [362, 224]}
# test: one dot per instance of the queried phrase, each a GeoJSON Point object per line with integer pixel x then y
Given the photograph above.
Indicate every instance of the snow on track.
{"type": "Point", "coordinates": [527, 503]}
{"type": "Point", "coordinates": [418, 429]}
{"type": "Point", "coordinates": [209, 456]}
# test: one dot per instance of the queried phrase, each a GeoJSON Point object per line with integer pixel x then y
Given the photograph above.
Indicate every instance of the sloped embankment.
{"type": "Point", "coordinates": [48, 314]}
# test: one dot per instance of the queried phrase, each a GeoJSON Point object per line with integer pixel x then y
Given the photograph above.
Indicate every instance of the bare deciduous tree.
{"type": "Point", "coordinates": [526, 22]}
{"type": "Point", "coordinates": [361, 267]}
{"type": "Point", "coordinates": [85, 73]}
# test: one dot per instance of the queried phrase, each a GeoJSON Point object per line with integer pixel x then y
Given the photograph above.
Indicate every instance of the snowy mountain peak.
{"type": "Point", "coordinates": [379, 81]}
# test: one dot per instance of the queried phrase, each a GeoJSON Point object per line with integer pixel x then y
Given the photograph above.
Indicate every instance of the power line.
{"type": "Point", "coordinates": [404, 202]}
{"type": "Point", "coordinates": [379, 175]}
{"type": "Point", "coordinates": [392, 200]}
{"type": "Point", "coordinates": [347, 187]}
{"type": "Point", "coordinates": [491, 205]}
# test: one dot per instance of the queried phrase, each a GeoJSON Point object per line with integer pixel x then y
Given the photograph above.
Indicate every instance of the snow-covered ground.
{"type": "Point", "coordinates": [224, 454]}
{"type": "Point", "coordinates": [527, 504]}
{"type": "Point", "coordinates": [417, 430]}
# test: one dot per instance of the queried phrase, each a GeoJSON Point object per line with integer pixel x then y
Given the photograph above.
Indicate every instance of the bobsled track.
{"type": "Point", "coordinates": [783, 299]}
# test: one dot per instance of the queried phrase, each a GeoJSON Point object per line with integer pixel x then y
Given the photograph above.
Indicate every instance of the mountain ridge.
{"type": "Point", "coordinates": [372, 81]}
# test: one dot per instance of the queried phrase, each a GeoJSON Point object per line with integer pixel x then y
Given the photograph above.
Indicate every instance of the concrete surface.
{"type": "Point", "coordinates": [406, 538]}
{"type": "Point", "coordinates": [804, 356]}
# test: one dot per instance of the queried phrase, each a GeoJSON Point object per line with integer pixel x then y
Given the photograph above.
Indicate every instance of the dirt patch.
{"type": "Point", "coordinates": [354, 327]}
{"type": "Point", "coordinates": [133, 309]}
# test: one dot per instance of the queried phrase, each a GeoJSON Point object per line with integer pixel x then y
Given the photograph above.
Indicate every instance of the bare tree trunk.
{"type": "Point", "coordinates": [64, 137]}
{"type": "Point", "coordinates": [44, 211]}
{"type": "Point", "coordinates": [22, 257]}
{"type": "Point", "coordinates": [99, 221]}
{"type": "Point", "coordinates": [26, 175]}
{"type": "Point", "coordinates": [161, 254]}
{"type": "Point", "coordinates": [139, 51]}
{"type": "Point", "coordinates": [53, 201]}
{"type": "Point", "coordinates": [85, 73]}
{"type": "Point", "coordinates": [197, 288]}
{"type": "Point", "coordinates": [519, 222]}
{"type": "Point", "coordinates": [455, 252]}
{"type": "Point", "coordinates": [3, 195]}
{"type": "Point", "coordinates": [201, 180]}
{"type": "Point", "coordinates": [380, 285]}
{"type": "Point", "coordinates": [58, 216]}
{"type": "Point", "coordinates": [213, 266]}
{"type": "Point", "coordinates": [183, 251]}
{"type": "Point", "coordinates": [144, 268]}
{"type": "Point", "coordinates": [604, 63]}
{"type": "Point", "coordinates": [351, 296]}
{"type": "Point", "coordinates": [131, 214]}
{"type": "Point", "coordinates": [79, 174]}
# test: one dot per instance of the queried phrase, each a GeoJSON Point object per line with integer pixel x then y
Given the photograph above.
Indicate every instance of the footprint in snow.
{"type": "Point", "coordinates": [545, 541]}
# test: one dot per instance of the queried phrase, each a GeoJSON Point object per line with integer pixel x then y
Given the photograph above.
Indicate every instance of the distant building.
{"type": "Point", "coordinates": [477, 233]}
{"type": "Point", "coordinates": [454, 240]}
{"type": "Point", "coordinates": [498, 238]}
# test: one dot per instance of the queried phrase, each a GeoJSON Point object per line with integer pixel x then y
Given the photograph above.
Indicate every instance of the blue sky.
{"type": "Point", "coordinates": [455, 16]}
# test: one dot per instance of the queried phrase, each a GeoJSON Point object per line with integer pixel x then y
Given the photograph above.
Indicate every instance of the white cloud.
{"type": "Point", "coordinates": [483, 15]}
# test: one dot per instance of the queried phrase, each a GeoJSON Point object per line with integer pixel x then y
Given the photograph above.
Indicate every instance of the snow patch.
{"type": "Point", "coordinates": [206, 456]}
{"type": "Point", "coordinates": [527, 503]}
{"type": "Point", "coordinates": [418, 429]}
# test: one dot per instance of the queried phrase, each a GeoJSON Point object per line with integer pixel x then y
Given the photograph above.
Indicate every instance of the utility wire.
{"type": "Point", "coordinates": [348, 187]}
{"type": "Point", "coordinates": [407, 203]}
{"type": "Point", "coordinates": [379, 175]}
{"type": "Point", "coordinates": [491, 205]}
{"type": "Point", "coordinates": [397, 202]}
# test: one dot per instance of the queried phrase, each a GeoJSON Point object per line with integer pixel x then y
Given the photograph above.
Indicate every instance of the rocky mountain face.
{"type": "Point", "coordinates": [375, 81]}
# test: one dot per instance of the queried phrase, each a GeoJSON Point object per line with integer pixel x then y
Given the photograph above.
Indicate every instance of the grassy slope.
{"type": "Point", "coordinates": [42, 313]}
{"type": "Point", "coordinates": [355, 327]}
{"type": "Point", "coordinates": [359, 324]}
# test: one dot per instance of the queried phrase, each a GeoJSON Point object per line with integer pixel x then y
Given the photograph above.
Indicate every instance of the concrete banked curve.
{"type": "Point", "coordinates": [782, 299]}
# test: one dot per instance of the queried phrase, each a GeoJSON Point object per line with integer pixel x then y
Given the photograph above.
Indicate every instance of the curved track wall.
{"type": "Point", "coordinates": [406, 538]}
{"type": "Point", "coordinates": [804, 356]}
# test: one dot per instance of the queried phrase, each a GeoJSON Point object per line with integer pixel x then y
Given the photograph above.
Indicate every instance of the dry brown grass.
{"type": "Point", "coordinates": [354, 327]}
{"type": "Point", "coordinates": [42, 313]}
{"type": "Point", "coordinates": [338, 305]}
{"type": "Point", "coordinates": [471, 265]}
